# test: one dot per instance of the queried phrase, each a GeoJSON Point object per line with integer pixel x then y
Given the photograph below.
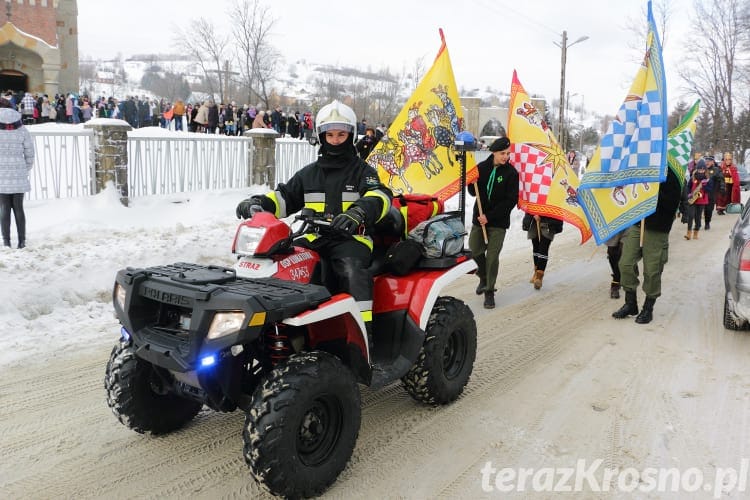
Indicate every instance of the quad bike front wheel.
{"type": "Point", "coordinates": [137, 395]}
{"type": "Point", "coordinates": [446, 359]}
{"type": "Point", "coordinates": [302, 425]}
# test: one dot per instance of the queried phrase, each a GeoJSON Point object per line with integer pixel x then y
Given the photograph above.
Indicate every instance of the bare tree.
{"type": "Point", "coordinates": [86, 74]}
{"type": "Point", "coordinates": [208, 48]}
{"type": "Point", "coordinates": [252, 29]}
{"type": "Point", "coordinates": [329, 85]}
{"type": "Point", "coordinates": [416, 71]}
{"type": "Point", "coordinates": [384, 96]}
{"type": "Point", "coordinates": [712, 70]}
{"type": "Point", "coordinates": [662, 10]}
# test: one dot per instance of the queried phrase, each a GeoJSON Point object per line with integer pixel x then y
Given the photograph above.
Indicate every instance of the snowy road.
{"type": "Point", "coordinates": [556, 381]}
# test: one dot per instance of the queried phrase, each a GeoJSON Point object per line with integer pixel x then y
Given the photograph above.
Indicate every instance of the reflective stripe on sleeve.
{"type": "Point", "coordinates": [279, 202]}
{"type": "Point", "coordinates": [384, 198]}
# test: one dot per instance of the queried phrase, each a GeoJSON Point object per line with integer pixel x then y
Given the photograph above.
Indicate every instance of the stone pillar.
{"type": "Point", "coordinates": [471, 114]}
{"type": "Point", "coordinates": [263, 169]}
{"type": "Point", "coordinates": [110, 149]}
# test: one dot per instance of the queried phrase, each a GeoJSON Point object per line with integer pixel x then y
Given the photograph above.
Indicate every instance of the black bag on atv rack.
{"type": "Point", "coordinates": [440, 236]}
{"type": "Point", "coordinates": [402, 256]}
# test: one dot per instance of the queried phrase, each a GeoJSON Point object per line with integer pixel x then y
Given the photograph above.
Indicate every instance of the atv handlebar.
{"type": "Point", "coordinates": [316, 222]}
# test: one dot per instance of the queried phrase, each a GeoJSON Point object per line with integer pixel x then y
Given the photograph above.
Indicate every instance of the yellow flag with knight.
{"type": "Point", "coordinates": [416, 154]}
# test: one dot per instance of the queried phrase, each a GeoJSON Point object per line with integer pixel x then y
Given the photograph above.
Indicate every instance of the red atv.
{"type": "Point", "coordinates": [266, 339]}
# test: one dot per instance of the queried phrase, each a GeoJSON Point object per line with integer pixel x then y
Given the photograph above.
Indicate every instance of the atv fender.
{"type": "Point", "coordinates": [336, 326]}
{"type": "Point", "coordinates": [417, 292]}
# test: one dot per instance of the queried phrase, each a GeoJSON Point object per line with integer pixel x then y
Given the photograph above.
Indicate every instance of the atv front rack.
{"type": "Point", "coordinates": [168, 309]}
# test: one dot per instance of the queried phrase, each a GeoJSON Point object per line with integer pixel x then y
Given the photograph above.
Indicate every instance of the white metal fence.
{"type": "Point", "coordinates": [292, 155]}
{"type": "Point", "coordinates": [63, 163]}
{"type": "Point", "coordinates": [163, 165]}
{"type": "Point", "coordinates": [157, 164]}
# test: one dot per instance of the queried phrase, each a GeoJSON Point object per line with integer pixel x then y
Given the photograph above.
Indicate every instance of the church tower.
{"type": "Point", "coordinates": [39, 46]}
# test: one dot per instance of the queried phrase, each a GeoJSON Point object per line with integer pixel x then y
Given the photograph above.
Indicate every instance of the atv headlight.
{"type": "Point", "coordinates": [248, 239]}
{"type": "Point", "coordinates": [225, 323]}
{"type": "Point", "coordinates": [120, 295]}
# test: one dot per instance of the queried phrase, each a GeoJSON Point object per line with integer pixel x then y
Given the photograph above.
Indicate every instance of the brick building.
{"type": "Point", "coordinates": [39, 46]}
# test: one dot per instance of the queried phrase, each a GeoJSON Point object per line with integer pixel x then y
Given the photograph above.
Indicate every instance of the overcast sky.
{"type": "Point", "coordinates": [486, 39]}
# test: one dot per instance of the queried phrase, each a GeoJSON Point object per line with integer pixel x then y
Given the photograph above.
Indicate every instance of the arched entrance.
{"type": "Point", "coordinates": [27, 63]}
{"type": "Point", "coordinates": [16, 81]}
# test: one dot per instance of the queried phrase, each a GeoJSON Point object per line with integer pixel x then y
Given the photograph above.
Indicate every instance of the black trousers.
{"type": "Point", "coordinates": [613, 256]}
{"type": "Point", "coordinates": [345, 264]}
{"type": "Point", "coordinates": [540, 248]}
{"type": "Point", "coordinates": [13, 202]}
{"type": "Point", "coordinates": [709, 211]}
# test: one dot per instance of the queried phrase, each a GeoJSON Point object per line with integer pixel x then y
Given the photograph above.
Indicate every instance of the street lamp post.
{"type": "Point", "coordinates": [564, 136]}
{"type": "Point", "coordinates": [564, 46]}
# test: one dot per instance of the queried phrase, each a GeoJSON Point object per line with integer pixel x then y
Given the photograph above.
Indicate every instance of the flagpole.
{"type": "Point", "coordinates": [463, 142]}
{"type": "Point", "coordinates": [481, 212]}
{"type": "Point", "coordinates": [643, 229]}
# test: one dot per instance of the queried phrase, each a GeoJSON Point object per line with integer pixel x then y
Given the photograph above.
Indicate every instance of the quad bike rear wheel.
{"type": "Point", "coordinates": [137, 394]}
{"type": "Point", "coordinates": [446, 359]}
{"type": "Point", "coordinates": [302, 425]}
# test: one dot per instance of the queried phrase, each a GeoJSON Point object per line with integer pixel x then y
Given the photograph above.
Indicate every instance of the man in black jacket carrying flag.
{"type": "Point", "coordinates": [497, 193]}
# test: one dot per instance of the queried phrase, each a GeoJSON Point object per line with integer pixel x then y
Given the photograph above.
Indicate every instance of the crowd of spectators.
{"type": "Point", "coordinates": [201, 117]}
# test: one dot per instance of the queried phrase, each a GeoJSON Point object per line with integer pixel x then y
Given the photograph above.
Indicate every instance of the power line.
{"type": "Point", "coordinates": [523, 16]}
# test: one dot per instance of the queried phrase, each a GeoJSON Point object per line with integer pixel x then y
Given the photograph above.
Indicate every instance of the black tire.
{"type": "Point", "coordinates": [730, 323]}
{"type": "Point", "coordinates": [303, 424]}
{"type": "Point", "coordinates": [135, 395]}
{"type": "Point", "coordinates": [446, 359]}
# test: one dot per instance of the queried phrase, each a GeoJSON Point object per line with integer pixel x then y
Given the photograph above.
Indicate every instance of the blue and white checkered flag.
{"type": "Point", "coordinates": [620, 186]}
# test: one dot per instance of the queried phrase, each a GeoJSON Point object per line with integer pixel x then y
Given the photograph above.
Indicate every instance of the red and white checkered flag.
{"type": "Point", "coordinates": [534, 173]}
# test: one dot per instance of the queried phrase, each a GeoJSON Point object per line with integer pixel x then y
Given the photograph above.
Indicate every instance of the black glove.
{"type": "Point", "coordinates": [349, 221]}
{"type": "Point", "coordinates": [249, 207]}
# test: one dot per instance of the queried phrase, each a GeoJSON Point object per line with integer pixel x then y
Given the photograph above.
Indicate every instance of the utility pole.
{"type": "Point", "coordinates": [224, 79]}
{"type": "Point", "coordinates": [563, 60]}
{"type": "Point", "coordinates": [560, 114]}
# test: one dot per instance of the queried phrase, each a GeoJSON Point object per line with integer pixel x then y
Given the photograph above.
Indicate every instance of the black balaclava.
{"type": "Point", "coordinates": [330, 156]}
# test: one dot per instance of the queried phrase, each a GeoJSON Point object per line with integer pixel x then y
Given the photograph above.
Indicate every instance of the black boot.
{"type": "Point", "coordinates": [481, 286]}
{"type": "Point", "coordinates": [6, 243]}
{"type": "Point", "coordinates": [21, 244]}
{"type": "Point", "coordinates": [489, 300]}
{"type": "Point", "coordinates": [630, 308]}
{"type": "Point", "coordinates": [647, 313]}
{"type": "Point", "coordinates": [614, 290]}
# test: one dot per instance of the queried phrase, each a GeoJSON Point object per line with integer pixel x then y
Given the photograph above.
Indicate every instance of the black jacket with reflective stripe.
{"type": "Point", "coordinates": [335, 186]}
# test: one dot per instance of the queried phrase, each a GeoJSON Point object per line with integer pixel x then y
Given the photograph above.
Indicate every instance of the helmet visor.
{"type": "Point", "coordinates": [325, 127]}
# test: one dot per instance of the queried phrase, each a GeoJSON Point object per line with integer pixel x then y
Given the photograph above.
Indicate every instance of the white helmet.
{"type": "Point", "coordinates": [336, 116]}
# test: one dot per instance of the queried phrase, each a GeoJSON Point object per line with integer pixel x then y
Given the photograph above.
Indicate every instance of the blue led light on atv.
{"type": "Point", "coordinates": [208, 361]}
{"type": "Point", "coordinates": [124, 334]}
